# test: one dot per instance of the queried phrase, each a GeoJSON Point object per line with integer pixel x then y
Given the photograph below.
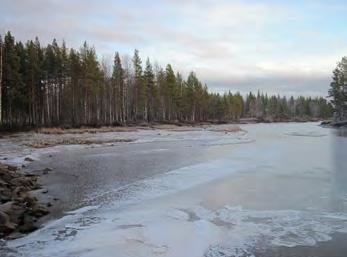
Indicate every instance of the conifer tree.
{"type": "Point", "coordinates": [151, 91]}
{"type": "Point", "coordinates": [338, 90]}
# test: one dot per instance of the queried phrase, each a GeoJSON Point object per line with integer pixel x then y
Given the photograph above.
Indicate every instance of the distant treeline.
{"type": "Point", "coordinates": [54, 85]}
{"type": "Point", "coordinates": [338, 90]}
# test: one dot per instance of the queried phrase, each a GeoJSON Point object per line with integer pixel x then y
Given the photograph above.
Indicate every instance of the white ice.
{"type": "Point", "coordinates": [165, 215]}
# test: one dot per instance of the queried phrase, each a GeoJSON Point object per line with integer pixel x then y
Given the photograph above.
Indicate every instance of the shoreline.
{"type": "Point", "coordinates": [61, 129]}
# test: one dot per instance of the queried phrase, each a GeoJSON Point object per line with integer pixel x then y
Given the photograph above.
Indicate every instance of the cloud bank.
{"type": "Point", "coordinates": [286, 47]}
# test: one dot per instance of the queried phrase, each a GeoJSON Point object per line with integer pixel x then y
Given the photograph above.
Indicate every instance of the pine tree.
{"type": "Point", "coordinates": [151, 91]}
{"type": "Point", "coordinates": [161, 86]}
{"type": "Point", "coordinates": [11, 79]}
{"type": "Point", "coordinates": [337, 91]}
{"type": "Point", "coordinates": [119, 89]}
{"type": "Point", "coordinates": [191, 99]}
{"type": "Point", "coordinates": [75, 76]}
{"type": "Point", "coordinates": [90, 78]}
{"type": "Point", "coordinates": [140, 107]}
{"type": "Point", "coordinates": [171, 91]}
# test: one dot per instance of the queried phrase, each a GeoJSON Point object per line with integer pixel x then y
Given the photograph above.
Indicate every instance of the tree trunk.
{"type": "Point", "coordinates": [0, 82]}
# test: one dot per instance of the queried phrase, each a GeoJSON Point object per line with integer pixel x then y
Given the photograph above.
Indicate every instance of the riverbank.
{"type": "Point", "coordinates": [152, 125]}
{"type": "Point", "coordinates": [50, 137]}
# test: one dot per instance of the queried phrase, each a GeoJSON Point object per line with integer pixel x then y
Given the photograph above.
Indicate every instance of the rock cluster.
{"type": "Point", "coordinates": [19, 209]}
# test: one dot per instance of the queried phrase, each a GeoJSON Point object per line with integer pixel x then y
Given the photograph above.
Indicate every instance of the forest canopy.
{"type": "Point", "coordinates": [53, 85]}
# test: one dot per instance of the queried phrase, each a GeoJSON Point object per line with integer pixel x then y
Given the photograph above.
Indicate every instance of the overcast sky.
{"type": "Point", "coordinates": [286, 47]}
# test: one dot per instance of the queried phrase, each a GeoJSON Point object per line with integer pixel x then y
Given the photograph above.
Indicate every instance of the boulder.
{"type": "Point", "coordinates": [30, 201]}
{"type": "Point", "coordinates": [19, 192]}
{"type": "Point", "coordinates": [23, 181]}
{"type": "Point", "coordinates": [5, 196]}
{"type": "Point", "coordinates": [46, 170]}
{"type": "Point", "coordinates": [15, 211]}
{"type": "Point", "coordinates": [28, 224]}
{"type": "Point", "coordinates": [11, 168]}
{"type": "Point", "coordinates": [3, 183]}
{"type": "Point", "coordinates": [7, 175]}
{"type": "Point", "coordinates": [39, 210]}
{"type": "Point", "coordinates": [6, 226]}
{"type": "Point", "coordinates": [32, 175]}
{"type": "Point", "coordinates": [6, 207]}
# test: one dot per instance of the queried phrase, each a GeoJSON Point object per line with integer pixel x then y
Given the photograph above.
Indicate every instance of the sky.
{"type": "Point", "coordinates": [286, 47]}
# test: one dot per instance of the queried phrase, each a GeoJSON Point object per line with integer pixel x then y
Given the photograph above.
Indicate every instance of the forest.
{"type": "Point", "coordinates": [53, 85]}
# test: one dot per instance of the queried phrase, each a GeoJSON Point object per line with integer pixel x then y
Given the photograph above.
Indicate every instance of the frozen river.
{"type": "Point", "coordinates": [275, 190]}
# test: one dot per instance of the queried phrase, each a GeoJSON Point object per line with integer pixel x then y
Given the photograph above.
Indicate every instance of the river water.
{"type": "Point", "coordinates": [277, 190]}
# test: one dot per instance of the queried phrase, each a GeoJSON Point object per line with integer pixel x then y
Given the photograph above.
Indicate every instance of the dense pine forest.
{"type": "Point", "coordinates": [53, 85]}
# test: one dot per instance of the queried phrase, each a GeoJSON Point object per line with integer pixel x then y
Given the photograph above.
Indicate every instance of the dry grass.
{"type": "Point", "coordinates": [73, 141]}
{"type": "Point", "coordinates": [61, 131]}
{"type": "Point", "coordinates": [231, 129]}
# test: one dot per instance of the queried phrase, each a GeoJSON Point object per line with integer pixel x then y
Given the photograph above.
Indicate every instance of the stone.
{"type": "Point", "coordinates": [3, 218]}
{"type": "Point", "coordinates": [46, 170]}
{"type": "Point", "coordinates": [7, 175]}
{"type": "Point", "coordinates": [15, 212]}
{"type": "Point", "coordinates": [5, 207]}
{"type": "Point", "coordinates": [39, 211]}
{"type": "Point", "coordinates": [30, 175]}
{"type": "Point", "coordinates": [29, 201]}
{"type": "Point", "coordinates": [14, 235]}
{"type": "Point", "coordinates": [19, 191]}
{"type": "Point", "coordinates": [6, 226]}
{"type": "Point", "coordinates": [11, 168]}
{"type": "Point", "coordinates": [28, 159]}
{"type": "Point", "coordinates": [28, 224]}
{"type": "Point", "coordinates": [3, 183]}
{"type": "Point", "coordinates": [22, 181]}
{"type": "Point", "coordinates": [5, 197]}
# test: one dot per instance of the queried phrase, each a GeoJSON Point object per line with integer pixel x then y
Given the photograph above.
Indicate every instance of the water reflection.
{"type": "Point", "coordinates": [339, 158]}
{"type": "Point", "coordinates": [341, 132]}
